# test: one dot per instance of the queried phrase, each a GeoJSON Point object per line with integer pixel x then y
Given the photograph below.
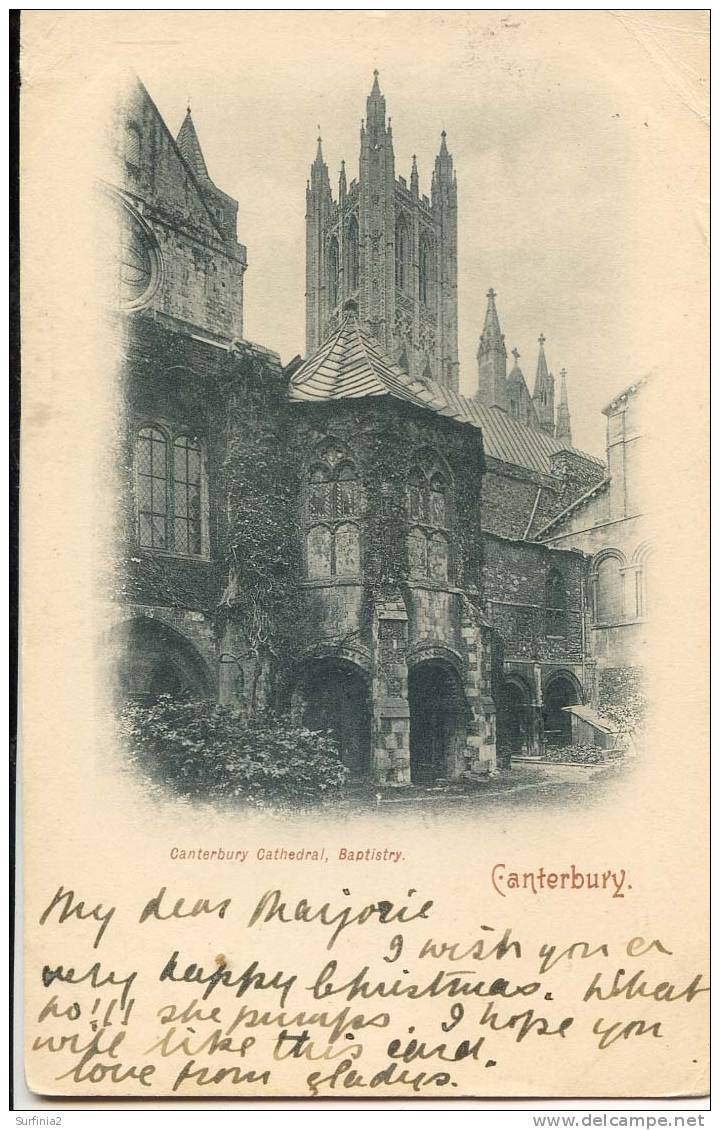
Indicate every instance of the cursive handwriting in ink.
{"type": "Point", "coordinates": [71, 909]}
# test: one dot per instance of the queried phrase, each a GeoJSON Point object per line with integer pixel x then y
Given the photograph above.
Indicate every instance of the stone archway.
{"type": "Point", "coordinates": [515, 720]}
{"type": "Point", "coordinates": [438, 720]}
{"type": "Point", "coordinates": [336, 699]}
{"type": "Point", "coordinates": [152, 659]}
{"type": "Point", "coordinates": [560, 691]}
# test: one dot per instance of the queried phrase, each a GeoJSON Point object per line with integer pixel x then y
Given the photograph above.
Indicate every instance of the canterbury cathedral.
{"type": "Point", "coordinates": [342, 535]}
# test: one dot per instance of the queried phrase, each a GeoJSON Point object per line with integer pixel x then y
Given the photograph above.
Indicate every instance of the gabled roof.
{"type": "Point", "coordinates": [350, 364]}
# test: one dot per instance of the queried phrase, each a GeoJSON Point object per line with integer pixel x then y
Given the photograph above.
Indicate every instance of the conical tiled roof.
{"type": "Point", "coordinates": [189, 145]}
{"type": "Point", "coordinates": [350, 364]}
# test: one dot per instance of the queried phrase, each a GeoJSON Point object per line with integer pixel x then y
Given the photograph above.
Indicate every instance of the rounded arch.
{"type": "Point", "coordinates": [644, 550]}
{"type": "Point", "coordinates": [604, 554]}
{"type": "Point", "coordinates": [570, 678]}
{"type": "Point", "coordinates": [150, 658]}
{"type": "Point", "coordinates": [560, 689]}
{"type": "Point", "coordinates": [514, 717]}
{"type": "Point", "coordinates": [332, 695]}
{"type": "Point", "coordinates": [439, 716]}
{"type": "Point", "coordinates": [608, 585]}
{"type": "Point", "coordinates": [643, 562]}
{"type": "Point", "coordinates": [423, 652]}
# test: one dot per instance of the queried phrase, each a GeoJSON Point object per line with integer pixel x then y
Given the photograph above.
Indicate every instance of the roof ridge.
{"type": "Point", "coordinates": [585, 497]}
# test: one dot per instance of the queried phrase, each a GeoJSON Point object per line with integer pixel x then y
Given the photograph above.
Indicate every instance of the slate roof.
{"type": "Point", "coordinates": [350, 364]}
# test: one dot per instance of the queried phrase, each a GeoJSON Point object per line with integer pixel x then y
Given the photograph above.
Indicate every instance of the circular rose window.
{"type": "Point", "coordinates": [138, 261]}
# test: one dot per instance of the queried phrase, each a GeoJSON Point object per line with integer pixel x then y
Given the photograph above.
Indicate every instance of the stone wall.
{"type": "Point", "coordinates": [515, 576]}
{"type": "Point", "coordinates": [202, 262]}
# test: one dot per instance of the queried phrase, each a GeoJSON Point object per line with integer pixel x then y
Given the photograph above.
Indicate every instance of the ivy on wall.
{"type": "Point", "coordinates": [258, 447]}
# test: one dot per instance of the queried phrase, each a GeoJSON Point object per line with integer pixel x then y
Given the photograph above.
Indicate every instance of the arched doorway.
{"type": "Point", "coordinates": [151, 659]}
{"type": "Point", "coordinates": [336, 700]}
{"type": "Point", "coordinates": [437, 720]}
{"type": "Point", "coordinates": [515, 721]}
{"type": "Point", "coordinates": [560, 692]}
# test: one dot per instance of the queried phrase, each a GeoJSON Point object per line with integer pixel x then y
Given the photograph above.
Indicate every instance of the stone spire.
{"type": "Point", "coordinates": [414, 179]}
{"type": "Point", "coordinates": [375, 115]}
{"type": "Point", "coordinates": [563, 430]}
{"type": "Point", "coordinates": [544, 392]}
{"type": "Point", "coordinates": [492, 359]}
{"type": "Point", "coordinates": [319, 177]}
{"type": "Point", "coordinates": [189, 145]}
{"type": "Point", "coordinates": [443, 173]}
{"type": "Point", "coordinates": [342, 184]}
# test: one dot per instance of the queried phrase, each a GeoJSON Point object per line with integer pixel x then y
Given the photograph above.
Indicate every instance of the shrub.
{"type": "Point", "coordinates": [204, 751]}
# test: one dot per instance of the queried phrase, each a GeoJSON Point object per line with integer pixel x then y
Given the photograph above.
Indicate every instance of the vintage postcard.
{"type": "Point", "coordinates": [364, 537]}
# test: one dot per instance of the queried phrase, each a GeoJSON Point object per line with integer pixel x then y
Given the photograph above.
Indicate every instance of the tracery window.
{"type": "Point", "coordinates": [170, 491]}
{"type": "Point", "coordinates": [332, 512]}
{"type": "Point", "coordinates": [555, 604]}
{"type": "Point", "coordinates": [333, 268]}
{"type": "Point", "coordinates": [428, 504]}
{"type": "Point", "coordinates": [352, 251]}
{"type": "Point", "coordinates": [402, 254]}
{"type": "Point", "coordinates": [427, 271]}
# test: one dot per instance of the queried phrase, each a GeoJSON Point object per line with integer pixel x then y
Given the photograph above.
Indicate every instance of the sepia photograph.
{"type": "Point", "coordinates": [368, 566]}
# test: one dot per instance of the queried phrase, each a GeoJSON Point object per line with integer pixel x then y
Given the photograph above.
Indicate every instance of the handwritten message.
{"type": "Point", "coordinates": [263, 993]}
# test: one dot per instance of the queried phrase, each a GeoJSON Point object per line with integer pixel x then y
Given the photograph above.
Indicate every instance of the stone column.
{"type": "Point", "coordinates": [480, 754]}
{"type": "Point", "coordinates": [537, 727]}
{"type": "Point", "coordinates": [391, 710]}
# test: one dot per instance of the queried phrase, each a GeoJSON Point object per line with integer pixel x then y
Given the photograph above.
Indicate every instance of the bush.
{"type": "Point", "coordinates": [204, 751]}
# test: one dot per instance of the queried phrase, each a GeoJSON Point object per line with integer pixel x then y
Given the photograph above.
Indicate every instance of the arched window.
{"type": "Point", "coordinates": [333, 266]}
{"type": "Point", "coordinates": [152, 488]}
{"type": "Point", "coordinates": [428, 506]}
{"type": "Point", "coordinates": [352, 254]}
{"type": "Point", "coordinates": [402, 254]}
{"type": "Point", "coordinates": [170, 491]}
{"type": "Point", "coordinates": [645, 583]}
{"type": "Point", "coordinates": [555, 604]}
{"type": "Point", "coordinates": [427, 271]}
{"type": "Point", "coordinates": [608, 587]}
{"type": "Point", "coordinates": [643, 562]}
{"type": "Point", "coordinates": [332, 511]}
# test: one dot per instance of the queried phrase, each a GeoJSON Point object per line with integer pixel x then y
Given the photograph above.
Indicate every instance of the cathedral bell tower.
{"type": "Point", "coordinates": [389, 249]}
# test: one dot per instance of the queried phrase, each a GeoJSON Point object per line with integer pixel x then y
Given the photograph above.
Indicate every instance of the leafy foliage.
{"type": "Point", "coordinates": [203, 751]}
{"type": "Point", "coordinates": [623, 699]}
